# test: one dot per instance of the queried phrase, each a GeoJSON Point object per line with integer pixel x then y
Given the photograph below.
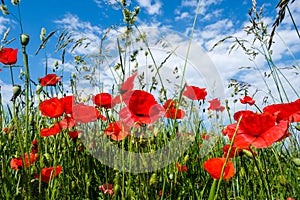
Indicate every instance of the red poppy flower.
{"type": "Point", "coordinates": [214, 167]}
{"type": "Point", "coordinates": [53, 107]}
{"type": "Point", "coordinates": [258, 130]}
{"type": "Point", "coordinates": [181, 168]}
{"type": "Point", "coordinates": [8, 56]}
{"type": "Point", "coordinates": [141, 108]}
{"type": "Point", "coordinates": [103, 100]}
{"type": "Point", "coordinates": [205, 136]}
{"type": "Point", "coordinates": [17, 163]}
{"type": "Point", "coordinates": [170, 103]}
{"type": "Point", "coordinates": [247, 100]}
{"type": "Point", "coordinates": [128, 84]}
{"type": "Point", "coordinates": [84, 113]}
{"type": "Point", "coordinates": [107, 188]}
{"type": "Point", "coordinates": [285, 111]}
{"type": "Point", "coordinates": [171, 111]}
{"type": "Point", "coordinates": [215, 104]}
{"type": "Point", "coordinates": [67, 122]}
{"type": "Point", "coordinates": [34, 147]}
{"type": "Point", "coordinates": [116, 130]}
{"type": "Point", "coordinates": [195, 93]}
{"type": "Point", "coordinates": [49, 173]}
{"type": "Point", "coordinates": [49, 80]}
{"type": "Point", "coordinates": [74, 134]}
{"type": "Point", "coordinates": [68, 102]}
{"type": "Point", "coordinates": [53, 130]}
{"type": "Point", "coordinates": [233, 153]}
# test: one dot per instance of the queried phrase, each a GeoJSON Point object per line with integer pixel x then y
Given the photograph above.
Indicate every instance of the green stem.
{"type": "Point", "coordinates": [212, 190]}
{"type": "Point", "coordinates": [11, 75]}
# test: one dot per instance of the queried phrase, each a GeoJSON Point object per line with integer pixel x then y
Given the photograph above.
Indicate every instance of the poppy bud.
{"type": "Point", "coordinates": [16, 92]}
{"type": "Point", "coordinates": [153, 179]}
{"type": "Point", "coordinates": [296, 161]}
{"type": "Point", "coordinates": [24, 39]}
{"type": "Point", "coordinates": [73, 185]}
{"type": "Point", "coordinates": [186, 158]}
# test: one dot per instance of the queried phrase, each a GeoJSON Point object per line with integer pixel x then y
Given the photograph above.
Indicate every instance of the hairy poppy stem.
{"type": "Point", "coordinates": [24, 41]}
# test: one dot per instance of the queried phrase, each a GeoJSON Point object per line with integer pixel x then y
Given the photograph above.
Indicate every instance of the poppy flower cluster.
{"type": "Point", "coordinates": [8, 56]}
{"type": "Point", "coordinates": [17, 163]}
{"type": "Point", "coordinates": [261, 130]}
{"type": "Point", "coordinates": [74, 113]}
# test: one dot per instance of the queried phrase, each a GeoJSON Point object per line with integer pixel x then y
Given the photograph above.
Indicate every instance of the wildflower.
{"type": "Point", "coordinates": [141, 108]}
{"type": "Point", "coordinates": [214, 167]}
{"type": "Point", "coordinates": [17, 163]}
{"type": "Point", "coordinates": [103, 100]}
{"type": "Point", "coordinates": [128, 84]}
{"type": "Point", "coordinates": [205, 136]}
{"type": "Point", "coordinates": [8, 56]}
{"type": "Point", "coordinates": [195, 93]}
{"type": "Point", "coordinates": [107, 188]}
{"type": "Point", "coordinates": [83, 113]}
{"type": "Point", "coordinates": [233, 153]}
{"type": "Point", "coordinates": [53, 130]}
{"type": "Point", "coordinates": [34, 147]}
{"type": "Point", "coordinates": [247, 100]}
{"type": "Point", "coordinates": [258, 130]}
{"type": "Point", "coordinates": [171, 110]}
{"type": "Point", "coordinates": [67, 122]}
{"type": "Point", "coordinates": [68, 102]}
{"type": "Point", "coordinates": [49, 80]}
{"type": "Point", "coordinates": [49, 173]}
{"type": "Point", "coordinates": [215, 104]}
{"type": "Point", "coordinates": [74, 134]}
{"type": "Point", "coordinates": [181, 168]}
{"type": "Point", "coordinates": [116, 130]}
{"type": "Point", "coordinates": [285, 111]}
{"type": "Point", "coordinates": [53, 107]}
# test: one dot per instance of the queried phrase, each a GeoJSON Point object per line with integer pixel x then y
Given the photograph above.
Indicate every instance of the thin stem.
{"type": "Point", "coordinates": [20, 19]}
{"type": "Point", "coordinates": [11, 75]}
{"type": "Point", "coordinates": [295, 25]}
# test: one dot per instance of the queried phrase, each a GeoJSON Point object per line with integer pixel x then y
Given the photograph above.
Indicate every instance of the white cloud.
{"type": "Point", "coordinates": [182, 16]}
{"type": "Point", "coordinates": [151, 8]}
{"type": "Point", "coordinates": [204, 5]}
{"type": "Point", "coordinates": [6, 92]}
{"type": "Point", "coordinates": [3, 24]}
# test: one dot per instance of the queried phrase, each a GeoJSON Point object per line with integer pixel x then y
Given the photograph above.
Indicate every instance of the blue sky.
{"type": "Point", "coordinates": [217, 19]}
